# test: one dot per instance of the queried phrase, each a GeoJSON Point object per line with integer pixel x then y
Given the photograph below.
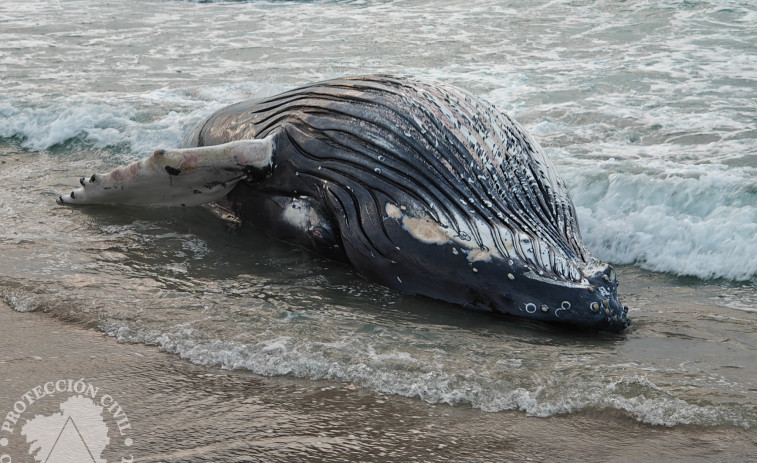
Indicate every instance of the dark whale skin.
{"type": "Point", "coordinates": [423, 188]}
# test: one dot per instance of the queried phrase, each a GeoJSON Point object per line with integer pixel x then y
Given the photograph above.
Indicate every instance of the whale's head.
{"type": "Point", "coordinates": [587, 297]}
{"type": "Point", "coordinates": [603, 286]}
{"type": "Point", "coordinates": [591, 299]}
{"type": "Point", "coordinates": [487, 266]}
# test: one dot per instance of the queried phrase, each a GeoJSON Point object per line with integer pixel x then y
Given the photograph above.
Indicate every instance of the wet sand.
{"type": "Point", "coordinates": [182, 412]}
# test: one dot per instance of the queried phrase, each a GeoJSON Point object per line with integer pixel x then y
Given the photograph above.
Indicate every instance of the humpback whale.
{"type": "Point", "coordinates": [420, 186]}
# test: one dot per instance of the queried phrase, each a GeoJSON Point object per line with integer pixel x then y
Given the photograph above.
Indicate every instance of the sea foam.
{"type": "Point", "coordinates": [354, 360]}
{"type": "Point", "coordinates": [698, 220]}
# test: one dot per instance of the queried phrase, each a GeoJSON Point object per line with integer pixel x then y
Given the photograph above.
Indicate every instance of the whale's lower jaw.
{"type": "Point", "coordinates": [591, 303]}
{"type": "Point", "coordinates": [507, 291]}
{"type": "Point", "coordinates": [574, 305]}
{"type": "Point", "coordinates": [580, 307]}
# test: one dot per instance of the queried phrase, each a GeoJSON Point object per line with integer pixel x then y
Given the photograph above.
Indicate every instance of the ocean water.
{"type": "Point", "coordinates": [649, 110]}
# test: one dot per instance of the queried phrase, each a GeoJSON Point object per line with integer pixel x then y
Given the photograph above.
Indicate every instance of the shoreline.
{"type": "Point", "coordinates": [182, 412]}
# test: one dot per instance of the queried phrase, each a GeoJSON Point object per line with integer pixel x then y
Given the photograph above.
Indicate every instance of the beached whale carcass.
{"type": "Point", "coordinates": [422, 187]}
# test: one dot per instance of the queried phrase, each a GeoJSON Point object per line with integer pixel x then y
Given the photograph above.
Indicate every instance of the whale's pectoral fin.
{"type": "Point", "coordinates": [180, 177]}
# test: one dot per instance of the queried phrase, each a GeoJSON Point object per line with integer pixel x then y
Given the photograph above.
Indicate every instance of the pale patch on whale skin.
{"type": "Point", "coordinates": [480, 255]}
{"type": "Point", "coordinates": [178, 177]}
{"type": "Point", "coordinates": [423, 229]}
{"type": "Point", "coordinates": [393, 211]}
{"type": "Point", "coordinates": [427, 230]}
{"type": "Point", "coordinates": [302, 215]}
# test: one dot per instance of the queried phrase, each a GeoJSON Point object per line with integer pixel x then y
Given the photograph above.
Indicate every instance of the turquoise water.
{"type": "Point", "coordinates": [648, 110]}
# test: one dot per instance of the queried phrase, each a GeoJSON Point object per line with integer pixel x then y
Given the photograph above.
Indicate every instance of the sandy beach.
{"type": "Point", "coordinates": [182, 412]}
